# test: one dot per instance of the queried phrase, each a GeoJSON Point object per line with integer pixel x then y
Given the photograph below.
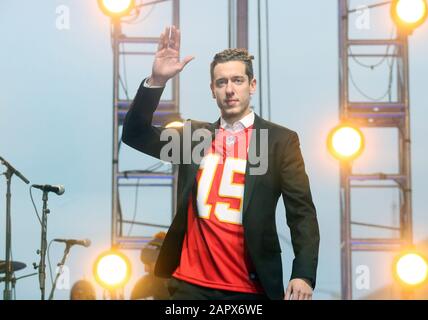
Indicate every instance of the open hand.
{"type": "Point", "coordinates": [167, 59]}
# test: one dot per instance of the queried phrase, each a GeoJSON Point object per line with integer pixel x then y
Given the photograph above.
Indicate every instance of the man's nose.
{"type": "Point", "coordinates": [229, 88]}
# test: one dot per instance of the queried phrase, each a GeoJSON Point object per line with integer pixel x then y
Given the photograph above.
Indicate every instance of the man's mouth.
{"type": "Point", "coordinates": [231, 101]}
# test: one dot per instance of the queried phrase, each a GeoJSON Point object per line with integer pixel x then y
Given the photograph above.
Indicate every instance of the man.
{"type": "Point", "coordinates": [222, 243]}
{"type": "Point", "coordinates": [150, 286]}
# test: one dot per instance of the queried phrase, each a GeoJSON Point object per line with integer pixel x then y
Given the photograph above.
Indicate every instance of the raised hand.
{"type": "Point", "coordinates": [167, 59]}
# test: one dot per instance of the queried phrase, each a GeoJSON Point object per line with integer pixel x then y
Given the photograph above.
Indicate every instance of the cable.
{"type": "Point", "coordinates": [155, 166]}
{"type": "Point", "coordinates": [388, 90]}
{"type": "Point", "coordinates": [152, 168]}
{"type": "Point", "coordinates": [229, 24]}
{"type": "Point", "coordinates": [131, 18]}
{"type": "Point", "coordinates": [145, 17]}
{"type": "Point", "coordinates": [369, 66]}
{"type": "Point", "coordinates": [119, 211]}
{"type": "Point", "coordinates": [124, 82]}
{"type": "Point", "coordinates": [268, 61]}
{"type": "Point", "coordinates": [32, 200]}
{"type": "Point", "coordinates": [360, 91]}
{"type": "Point", "coordinates": [13, 275]}
{"type": "Point", "coordinates": [377, 64]}
{"type": "Point", "coordinates": [49, 262]}
{"type": "Point", "coordinates": [125, 89]}
{"type": "Point", "coordinates": [390, 75]}
{"type": "Point", "coordinates": [135, 208]}
{"type": "Point", "coordinates": [111, 36]}
{"type": "Point", "coordinates": [124, 85]}
{"type": "Point", "coordinates": [260, 57]}
{"type": "Point", "coordinates": [119, 143]}
{"type": "Point", "coordinates": [367, 7]}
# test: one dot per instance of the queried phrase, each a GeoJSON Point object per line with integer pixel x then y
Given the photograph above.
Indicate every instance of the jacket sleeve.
{"type": "Point", "coordinates": [300, 212]}
{"type": "Point", "coordinates": [138, 131]}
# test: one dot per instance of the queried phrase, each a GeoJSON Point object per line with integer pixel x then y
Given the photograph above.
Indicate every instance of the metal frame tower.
{"type": "Point", "coordinates": [164, 112]}
{"type": "Point", "coordinates": [374, 114]}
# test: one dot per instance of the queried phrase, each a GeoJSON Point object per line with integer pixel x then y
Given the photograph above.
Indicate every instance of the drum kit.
{"type": "Point", "coordinates": [15, 266]}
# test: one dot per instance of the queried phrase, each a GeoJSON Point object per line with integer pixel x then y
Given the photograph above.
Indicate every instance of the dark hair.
{"type": "Point", "coordinates": [234, 55]}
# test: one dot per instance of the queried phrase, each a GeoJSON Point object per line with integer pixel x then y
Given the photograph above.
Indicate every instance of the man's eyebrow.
{"type": "Point", "coordinates": [232, 77]}
{"type": "Point", "coordinates": [219, 80]}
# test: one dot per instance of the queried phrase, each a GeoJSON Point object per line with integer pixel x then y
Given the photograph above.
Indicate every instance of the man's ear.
{"type": "Point", "coordinates": [253, 86]}
{"type": "Point", "coordinates": [212, 90]}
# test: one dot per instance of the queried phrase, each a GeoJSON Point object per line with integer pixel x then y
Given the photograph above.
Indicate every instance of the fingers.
{"type": "Point", "coordinates": [293, 293]}
{"type": "Point", "coordinates": [165, 38]}
{"type": "Point", "coordinates": [288, 293]}
{"type": "Point", "coordinates": [170, 42]}
{"type": "Point", "coordinates": [300, 295]}
{"type": "Point", "coordinates": [170, 38]}
{"type": "Point", "coordinates": [161, 41]}
{"type": "Point", "coordinates": [306, 296]}
{"type": "Point", "coordinates": [176, 38]}
{"type": "Point", "coordinates": [303, 295]}
{"type": "Point", "coordinates": [185, 61]}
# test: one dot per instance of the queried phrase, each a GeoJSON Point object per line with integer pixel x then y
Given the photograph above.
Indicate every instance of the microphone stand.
{"type": "Point", "coordinates": [43, 245]}
{"type": "Point", "coordinates": [7, 293]}
{"type": "Point", "coordinates": [60, 265]}
{"type": "Point", "coordinates": [22, 277]}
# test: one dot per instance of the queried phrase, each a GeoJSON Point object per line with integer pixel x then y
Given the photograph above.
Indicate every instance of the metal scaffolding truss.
{"type": "Point", "coordinates": [124, 46]}
{"type": "Point", "coordinates": [385, 113]}
{"type": "Point", "coordinates": [167, 110]}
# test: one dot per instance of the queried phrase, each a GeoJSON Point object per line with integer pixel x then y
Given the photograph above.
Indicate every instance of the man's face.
{"type": "Point", "coordinates": [232, 90]}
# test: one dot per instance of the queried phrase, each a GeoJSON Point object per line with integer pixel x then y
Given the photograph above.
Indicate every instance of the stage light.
{"type": "Point", "coordinates": [112, 270]}
{"type": "Point", "coordinates": [116, 8]}
{"type": "Point", "coordinates": [411, 269]}
{"type": "Point", "coordinates": [345, 142]}
{"type": "Point", "coordinates": [169, 120]}
{"type": "Point", "coordinates": [408, 14]}
{"type": "Point", "coordinates": [175, 124]}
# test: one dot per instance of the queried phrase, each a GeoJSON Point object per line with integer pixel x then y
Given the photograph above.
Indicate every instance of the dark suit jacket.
{"type": "Point", "coordinates": [285, 176]}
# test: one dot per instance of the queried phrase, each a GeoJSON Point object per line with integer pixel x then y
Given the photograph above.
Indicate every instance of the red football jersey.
{"type": "Point", "coordinates": [214, 253]}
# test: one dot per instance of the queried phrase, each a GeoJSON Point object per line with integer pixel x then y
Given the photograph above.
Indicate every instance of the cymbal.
{"type": "Point", "coordinates": [16, 265]}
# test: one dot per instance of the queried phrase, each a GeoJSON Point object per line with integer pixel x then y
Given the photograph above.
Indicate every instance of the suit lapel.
{"type": "Point", "coordinates": [250, 180]}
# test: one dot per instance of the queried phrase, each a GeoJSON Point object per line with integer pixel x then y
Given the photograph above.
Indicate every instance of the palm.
{"type": "Point", "coordinates": [167, 60]}
{"type": "Point", "coordinates": [167, 63]}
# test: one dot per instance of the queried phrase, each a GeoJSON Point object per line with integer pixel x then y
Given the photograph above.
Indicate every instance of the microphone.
{"type": "Point", "coordinates": [58, 189]}
{"type": "Point", "coordinates": [19, 174]}
{"type": "Point", "coordinates": [71, 242]}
